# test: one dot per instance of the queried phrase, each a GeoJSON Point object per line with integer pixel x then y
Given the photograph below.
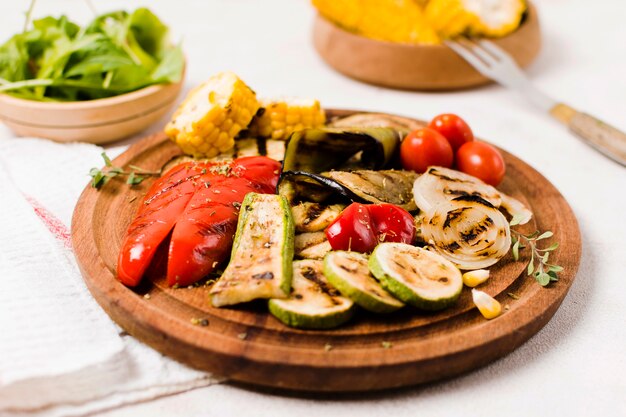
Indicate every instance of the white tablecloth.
{"type": "Point", "coordinates": [576, 365]}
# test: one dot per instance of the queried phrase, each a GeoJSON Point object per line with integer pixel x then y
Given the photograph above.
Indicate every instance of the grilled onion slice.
{"type": "Point", "coordinates": [440, 184]}
{"type": "Point", "coordinates": [468, 231]}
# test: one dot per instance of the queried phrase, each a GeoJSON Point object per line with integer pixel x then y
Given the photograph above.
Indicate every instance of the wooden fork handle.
{"type": "Point", "coordinates": [601, 136]}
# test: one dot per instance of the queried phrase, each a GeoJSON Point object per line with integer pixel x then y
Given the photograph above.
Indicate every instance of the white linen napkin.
{"type": "Point", "coordinates": [60, 354]}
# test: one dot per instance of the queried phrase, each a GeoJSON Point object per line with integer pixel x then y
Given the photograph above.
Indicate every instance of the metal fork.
{"type": "Point", "coordinates": [493, 62]}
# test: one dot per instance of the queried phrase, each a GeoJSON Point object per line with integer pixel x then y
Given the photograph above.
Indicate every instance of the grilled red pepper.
{"type": "Point", "coordinates": [198, 203]}
{"type": "Point", "coordinates": [361, 227]}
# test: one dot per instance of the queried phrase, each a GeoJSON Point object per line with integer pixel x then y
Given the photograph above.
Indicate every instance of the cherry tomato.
{"type": "Point", "coordinates": [453, 128]}
{"type": "Point", "coordinates": [425, 147]}
{"type": "Point", "coordinates": [482, 161]}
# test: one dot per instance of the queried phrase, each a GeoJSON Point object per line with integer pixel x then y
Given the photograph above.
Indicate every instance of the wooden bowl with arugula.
{"type": "Point", "coordinates": [102, 82]}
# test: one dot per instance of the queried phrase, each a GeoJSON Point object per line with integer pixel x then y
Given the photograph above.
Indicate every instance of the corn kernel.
{"type": "Point", "coordinates": [488, 306]}
{"type": "Point", "coordinates": [475, 278]}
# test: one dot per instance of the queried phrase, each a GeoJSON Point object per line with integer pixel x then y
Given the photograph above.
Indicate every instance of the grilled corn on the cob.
{"type": "Point", "coordinates": [493, 18]}
{"type": "Point", "coordinates": [449, 17]}
{"type": "Point", "coordinates": [212, 115]}
{"type": "Point", "coordinates": [390, 20]}
{"type": "Point", "coordinates": [488, 306]}
{"type": "Point", "coordinates": [277, 119]}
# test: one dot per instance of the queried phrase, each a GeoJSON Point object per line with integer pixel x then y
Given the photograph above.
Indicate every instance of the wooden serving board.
{"type": "Point", "coordinates": [371, 352]}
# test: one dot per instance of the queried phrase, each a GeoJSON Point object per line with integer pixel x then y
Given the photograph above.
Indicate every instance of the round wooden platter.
{"type": "Point", "coordinates": [247, 344]}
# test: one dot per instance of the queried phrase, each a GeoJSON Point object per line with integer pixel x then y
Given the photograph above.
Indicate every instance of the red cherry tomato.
{"type": "Point", "coordinates": [425, 147]}
{"type": "Point", "coordinates": [482, 161]}
{"type": "Point", "coordinates": [453, 128]}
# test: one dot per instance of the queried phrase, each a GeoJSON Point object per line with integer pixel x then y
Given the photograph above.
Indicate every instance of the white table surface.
{"type": "Point", "coordinates": [576, 365]}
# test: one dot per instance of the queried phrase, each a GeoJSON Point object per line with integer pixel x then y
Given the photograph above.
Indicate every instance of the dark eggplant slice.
{"type": "Point", "coordinates": [377, 120]}
{"type": "Point", "coordinates": [387, 186]}
{"type": "Point", "coordinates": [299, 186]}
{"type": "Point", "coordinates": [319, 150]}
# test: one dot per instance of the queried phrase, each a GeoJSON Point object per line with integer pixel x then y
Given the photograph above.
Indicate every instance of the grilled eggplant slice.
{"type": "Point", "coordinates": [313, 302]}
{"type": "Point", "coordinates": [262, 255]}
{"type": "Point", "coordinates": [362, 186]}
{"type": "Point", "coordinates": [401, 124]}
{"type": "Point", "coordinates": [416, 276]}
{"type": "Point", "coordinates": [312, 245]}
{"type": "Point", "coordinates": [350, 274]}
{"type": "Point", "coordinates": [387, 186]}
{"type": "Point", "coordinates": [314, 217]}
{"type": "Point", "coordinates": [319, 150]}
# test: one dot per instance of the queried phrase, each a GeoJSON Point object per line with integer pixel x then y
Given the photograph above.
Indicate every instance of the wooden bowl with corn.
{"type": "Point", "coordinates": [399, 44]}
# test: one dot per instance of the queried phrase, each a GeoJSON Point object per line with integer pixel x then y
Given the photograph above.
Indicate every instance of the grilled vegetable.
{"type": "Point", "coordinates": [488, 306]}
{"type": "Point", "coordinates": [319, 150]}
{"type": "Point", "coordinates": [389, 20]}
{"type": "Point", "coordinates": [313, 302]}
{"type": "Point", "coordinates": [364, 186]}
{"type": "Point", "coordinates": [261, 259]}
{"type": "Point", "coordinates": [197, 202]}
{"type": "Point", "coordinates": [386, 186]}
{"type": "Point", "coordinates": [475, 278]}
{"type": "Point", "coordinates": [468, 231]}
{"type": "Point", "coordinates": [207, 122]}
{"type": "Point", "coordinates": [439, 184]}
{"type": "Point", "coordinates": [401, 124]}
{"type": "Point", "coordinates": [451, 18]}
{"type": "Point", "coordinates": [416, 276]}
{"type": "Point", "coordinates": [277, 119]}
{"type": "Point", "coordinates": [314, 217]}
{"type": "Point", "coordinates": [312, 245]}
{"type": "Point", "coordinates": [350, 274]}
{"type": "Point", "coordinates": [361, 227]}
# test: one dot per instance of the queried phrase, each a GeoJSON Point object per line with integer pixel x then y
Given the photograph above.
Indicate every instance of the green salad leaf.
{"type": "Point", "coordinates": [116, 53]}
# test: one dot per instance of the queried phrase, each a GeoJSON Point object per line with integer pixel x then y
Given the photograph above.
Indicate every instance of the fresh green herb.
{"type": "Point", "coordinates": [538, 267]}
{"type": "Point", "coordinates": [100, 177]}
{"type": "Point", "coordinates": [386, 345]}
{"type": "Point", "coordinates": [118, 52]}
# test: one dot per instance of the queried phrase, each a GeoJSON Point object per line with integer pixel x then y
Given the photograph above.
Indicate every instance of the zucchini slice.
{"type": "Point", "coordinates": [350, 274]}
{"type": "Point", "coordinates": [262, 255]}
{"type": "Point", "coordinates": [313, 303]}
{"type": "Point", "coordinates": [416, 276]}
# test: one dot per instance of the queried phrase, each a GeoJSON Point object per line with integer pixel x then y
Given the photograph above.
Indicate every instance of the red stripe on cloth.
{"type": "Point", "coordinates": [54, 225]}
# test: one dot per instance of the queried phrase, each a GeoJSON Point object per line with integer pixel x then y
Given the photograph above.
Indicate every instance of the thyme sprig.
{"type": "Point", "coordinates": [99, 177]}
{"type": "Point", "coordinates": [538, 267]}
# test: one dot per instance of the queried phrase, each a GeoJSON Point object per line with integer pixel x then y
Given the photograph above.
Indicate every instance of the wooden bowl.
{"type": "Point", "coordinates": [95, 121]}
{"type": "Point", "coordinates": [415, 67]}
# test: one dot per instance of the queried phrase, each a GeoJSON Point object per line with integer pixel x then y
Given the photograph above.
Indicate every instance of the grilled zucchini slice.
{"type": "Point", "coordinates": [350, 274]}
{"type": "Point", "coordinates": [261, 260]}
{"type": "Point", "coordinates": [416, 276]}
{"type": "Point", "coordinates": [313, 303]}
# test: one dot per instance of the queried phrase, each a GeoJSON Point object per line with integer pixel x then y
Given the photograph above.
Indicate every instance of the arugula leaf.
{"type": "Point", "coordinates": [117, 52]}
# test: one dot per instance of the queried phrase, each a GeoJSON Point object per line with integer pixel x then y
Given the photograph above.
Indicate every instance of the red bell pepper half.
{"type": "Point", "coordinates": [361, 227]}
{"type": "Point", "coordinates": [198, 203]}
